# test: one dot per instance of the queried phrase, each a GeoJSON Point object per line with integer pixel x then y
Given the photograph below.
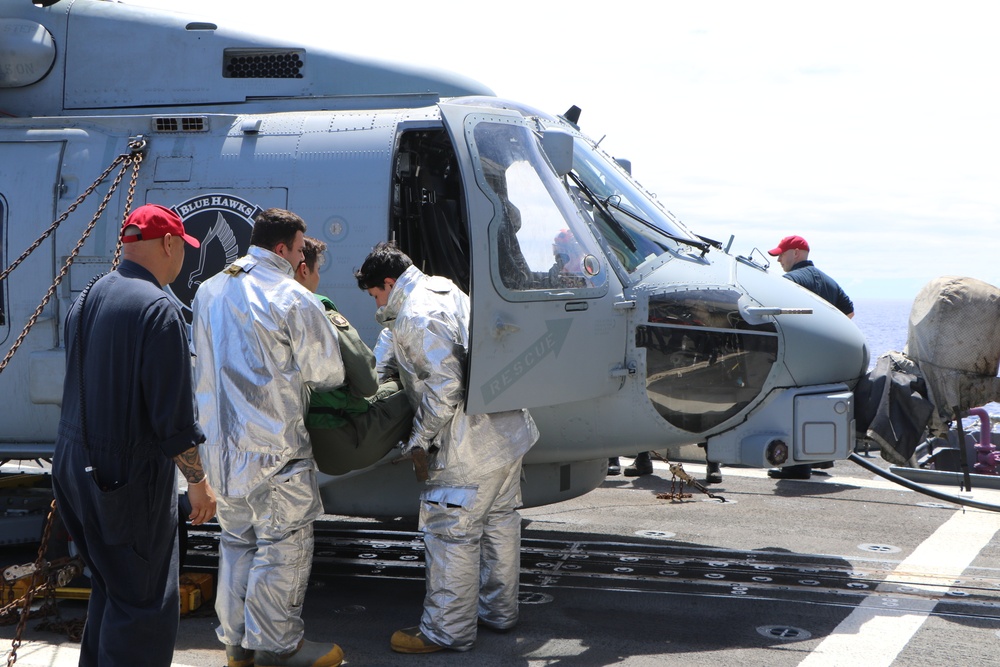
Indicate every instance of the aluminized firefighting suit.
{"type": "Point", "coordinates": [262, 343]}
{"type": "Point", "coordinates": [468, 511]}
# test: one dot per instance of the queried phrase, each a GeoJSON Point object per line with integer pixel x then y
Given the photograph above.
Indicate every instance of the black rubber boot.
{"type": "Point", "coordinates": [642, 465]}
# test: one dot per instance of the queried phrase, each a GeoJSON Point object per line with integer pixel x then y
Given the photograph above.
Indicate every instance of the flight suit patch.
{"type": "Point", "coordinates": [340, 321]}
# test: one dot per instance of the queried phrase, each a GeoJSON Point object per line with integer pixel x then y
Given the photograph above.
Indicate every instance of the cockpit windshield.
{"type": "Point", "coordinates": [542, 236]}
{"type": "Point", "coordinates": [540, 246]}
{"type": "Point", "coordinates": [636, 229]}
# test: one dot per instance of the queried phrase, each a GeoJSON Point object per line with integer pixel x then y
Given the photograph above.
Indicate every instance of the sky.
{"type": "Point", "coordinates": [870, 128]}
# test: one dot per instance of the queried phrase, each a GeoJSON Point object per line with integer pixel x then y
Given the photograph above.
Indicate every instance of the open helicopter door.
{"type": "Point", "coordinates": [544, 329]}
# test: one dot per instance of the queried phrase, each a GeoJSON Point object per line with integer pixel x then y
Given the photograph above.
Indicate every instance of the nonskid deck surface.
{"type": "Point", "coordinates": [841, 569]}
{"type": "Point", "coordinates": [552, 563]}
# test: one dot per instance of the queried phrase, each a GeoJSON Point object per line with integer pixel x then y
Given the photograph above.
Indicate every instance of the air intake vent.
{"type": "Point", "coordinates": [180, 124]}
{"type": "Point", "coordinates": [262, 64]}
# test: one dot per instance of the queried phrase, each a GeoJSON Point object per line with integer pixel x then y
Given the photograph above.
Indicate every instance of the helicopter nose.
{"type": "Point", "coordinates": [819, 344]}
{"type": "Point", "coordinates": [710, 354]}
{"type": "Point", "coordinates": [822, 347]}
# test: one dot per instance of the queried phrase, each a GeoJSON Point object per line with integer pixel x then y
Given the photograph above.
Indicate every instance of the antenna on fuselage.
{"type": "Point", "coordinates": [572, 116]}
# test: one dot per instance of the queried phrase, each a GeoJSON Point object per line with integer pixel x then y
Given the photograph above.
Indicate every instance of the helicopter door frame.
{"type": "Point", "coordinates": [4, 326]}
{"type": "Point", "coordinates": [23, 166]}
{"type": "Point", "coordinates": [527, 341]}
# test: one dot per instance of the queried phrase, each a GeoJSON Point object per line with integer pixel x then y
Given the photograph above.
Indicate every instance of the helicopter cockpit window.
{"type": "Point", "coordinates": [635, 228]}
{"type": "Point", "coordinates": [704, 362]}
{"type": "Point", "coordinates": [539, 244]}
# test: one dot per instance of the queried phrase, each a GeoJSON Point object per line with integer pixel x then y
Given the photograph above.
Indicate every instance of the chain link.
{"type": "Point", "coordinates": [30, 593]}
{"type": "Point", "coordinates": [135, 158]}
{"type": "Point", "coordinates": [678, 479]}
{"type": "Point", "coordinates": [137, 161]}
{"type": "Point", "coordinates": [55, 225]}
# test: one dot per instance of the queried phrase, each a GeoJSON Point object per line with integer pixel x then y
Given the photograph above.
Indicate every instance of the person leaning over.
{"type": "Point", "coordinates": [468, 510]}
{"type": "Point", "coordinates": [793, 256]}
{"type": "Point", "coordinates": [356, 425]}
{"type": "Point", "coordinates": [263, 343]}
{"type": "Point", "coordinates": [128, 423]}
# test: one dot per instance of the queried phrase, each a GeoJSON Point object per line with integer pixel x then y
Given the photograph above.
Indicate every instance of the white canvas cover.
{"type": "Point", "coordinates": [954, 336]}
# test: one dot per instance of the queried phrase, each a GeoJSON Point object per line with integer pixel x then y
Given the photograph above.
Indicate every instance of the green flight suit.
{"type": "Point", "coordinates": [357, 424]}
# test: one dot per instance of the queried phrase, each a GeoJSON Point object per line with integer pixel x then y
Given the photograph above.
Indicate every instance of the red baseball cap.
{"type": "Point", "coordinates": [790, 243]}
{"type": "Point", "coordinates": [155, 222]}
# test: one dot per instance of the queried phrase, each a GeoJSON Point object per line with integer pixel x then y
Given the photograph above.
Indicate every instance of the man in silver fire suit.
{"type": "Point", "coordinates": [468, 510]}
{"type": "Point", "coordinates": [263, 343]}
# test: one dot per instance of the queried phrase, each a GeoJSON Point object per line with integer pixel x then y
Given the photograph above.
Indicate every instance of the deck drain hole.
{"type": "Point", "coordinates": [784, 632]}
{"type": "Point", "coordinates": [879, 548]}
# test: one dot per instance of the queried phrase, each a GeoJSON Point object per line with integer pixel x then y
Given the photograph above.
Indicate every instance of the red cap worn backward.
{"type": "Point", "coordinates": [789, 243]}
{"type": "Point", "coordinates": [155, 222]}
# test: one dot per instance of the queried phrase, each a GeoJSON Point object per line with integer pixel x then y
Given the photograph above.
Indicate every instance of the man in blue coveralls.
{"type": "Point", "coordinates": [793, 256]}
{"type": "Point", "coordinates": [128, 423]}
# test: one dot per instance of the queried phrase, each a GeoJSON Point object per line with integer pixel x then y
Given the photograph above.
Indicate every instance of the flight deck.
{"type": "Point", "coordinates": [843, 569]}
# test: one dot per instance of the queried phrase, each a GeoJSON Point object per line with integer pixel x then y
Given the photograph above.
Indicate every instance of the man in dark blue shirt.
{"type": "Point", "coordinates": [793, 256]}
{"type": "Point", "coordinates": [128, 423]}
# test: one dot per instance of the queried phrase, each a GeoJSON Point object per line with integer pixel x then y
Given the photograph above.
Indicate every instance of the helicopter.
{"type": "Point", "coordinates": [594, 307]}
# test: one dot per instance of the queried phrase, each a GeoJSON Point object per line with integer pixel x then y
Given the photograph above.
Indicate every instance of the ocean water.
{"type": "Point", "coordinates": [883, 323]}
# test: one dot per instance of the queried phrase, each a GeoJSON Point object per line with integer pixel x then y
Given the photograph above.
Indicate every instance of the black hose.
{"type": "Point", "coordinates": [913, 486]}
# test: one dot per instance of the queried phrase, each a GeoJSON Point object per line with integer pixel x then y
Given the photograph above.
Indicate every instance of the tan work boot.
{"type": "Point", "coordinates": [308, 654]}
{"type": "Point", "coordinates": [237, 656]}
{"type": "Point", "coordinates": [412, 640]}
